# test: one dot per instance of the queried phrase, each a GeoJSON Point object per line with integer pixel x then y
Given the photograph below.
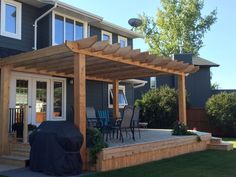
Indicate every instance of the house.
{"type": "Point", "coordinates": [67, 60]}
{"type": "Point", "coordinates": [198, 85]}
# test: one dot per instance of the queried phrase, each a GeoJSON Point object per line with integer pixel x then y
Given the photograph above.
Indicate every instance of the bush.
{"type": "Point", "coordinates": [221, 111]}
{"type": "Point", "coordinates": [159, 107]}
{"type": "Point", "coordinates": [95, 143]}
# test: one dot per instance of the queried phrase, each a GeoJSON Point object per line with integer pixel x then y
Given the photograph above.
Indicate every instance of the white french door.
{"type": "Point", "coordinates": [45, 97]}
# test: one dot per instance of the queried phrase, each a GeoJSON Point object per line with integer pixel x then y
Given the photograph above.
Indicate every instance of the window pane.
{"type": "Point", "coordinates": [122, 99]}
{"type": "Point", "coordinates": [57, 95]}
{"type": "Point", "coordinates": [153, 82]}
{"type": "Point", "coordinates": [10, 19]}
{"type": "Point", "coordinates": [69, 30]}
{"type": "Point", "coordinates": [79, 31]}
{"type": "Point", "coordinates": [122, 43]}
{"type": "Point", "coordinates": [105, 37]}
{"type": "Point", "coordinates": [41, 101]}
{"type": "Point", "coordinates": [59, 30]}
{"type": "Point", "coordinates": [21, 93]}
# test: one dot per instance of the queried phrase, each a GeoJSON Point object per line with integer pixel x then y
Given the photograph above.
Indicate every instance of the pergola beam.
{"type": "Point", "coordinates": [80, 99]}
{"type": "Point", "coordinates": [182, 99]}
{"type": "Point", "coordinates": [4, 107]}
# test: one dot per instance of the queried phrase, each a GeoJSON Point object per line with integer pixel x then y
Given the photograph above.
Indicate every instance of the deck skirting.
{"type": "Point", "coordinates": [135, 154]}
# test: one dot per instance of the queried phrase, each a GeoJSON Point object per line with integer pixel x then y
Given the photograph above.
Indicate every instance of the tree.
{"type": "Point", "coordinates": [178, 26]}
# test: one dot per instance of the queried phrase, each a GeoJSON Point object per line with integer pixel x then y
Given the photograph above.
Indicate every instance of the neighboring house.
{"type": "Point", "coordinates": [35, 24]}
{"type": "Point", "coordinates": [198, 85]}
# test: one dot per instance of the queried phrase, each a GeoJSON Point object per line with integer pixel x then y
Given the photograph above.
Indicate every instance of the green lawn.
{"type": "Point", "coordinates": [230, 140]}
{"type": "Point", "coordinates": [201, 164]}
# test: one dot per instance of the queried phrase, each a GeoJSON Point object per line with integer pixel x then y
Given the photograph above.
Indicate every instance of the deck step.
{"type": "Point", "coordinates": [21, 152]}
{"type": "Point", "coordinates": [20, 146]}
{"type": "Point", "coordinates": [215, 140]}
{"type": "Point", "coordinates": [224, 146]}
{"type": "Point", "coordinates": [14, 160]}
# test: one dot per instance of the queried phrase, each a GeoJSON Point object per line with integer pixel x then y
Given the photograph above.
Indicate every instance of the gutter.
{"type": "Point", "coordinates": [36, 24]}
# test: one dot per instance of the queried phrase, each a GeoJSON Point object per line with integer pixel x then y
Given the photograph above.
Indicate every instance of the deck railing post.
{"type": "Point", "coordinates": [25, 124]}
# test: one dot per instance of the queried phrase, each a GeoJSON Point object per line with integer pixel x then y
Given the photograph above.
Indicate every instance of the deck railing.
{"type": "Point", "coordinates": [18, 121]}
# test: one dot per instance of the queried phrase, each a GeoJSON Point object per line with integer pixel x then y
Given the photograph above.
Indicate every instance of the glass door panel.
{"type": "Point", "coordinates": [22, 91]}
{"type": "Point", "coordinates": [41, 101]}
{"type": "Point", "coordinates": [57, 99]}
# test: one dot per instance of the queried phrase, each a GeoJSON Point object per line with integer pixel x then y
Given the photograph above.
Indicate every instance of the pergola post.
{"type": "Point", "coordinates": [182, 99]}
{"type": "Point", "coordinates": [116, 99]}
{"type": "Point", "coordinates": [4, 107]}
{"type": "Point", "coordinates": [80, 99]}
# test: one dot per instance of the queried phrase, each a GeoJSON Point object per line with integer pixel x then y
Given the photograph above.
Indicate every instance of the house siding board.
{"type": "Point", "coordinates": [4, 52]}
{"type": "Point", "coordinates": [45, 29]}
{"type": "Point", "coordinates": [96, 96]}
{"type": "Point", "coordinates": [29, 14]}
{"type": "Point", "coordinates": [94, 31]}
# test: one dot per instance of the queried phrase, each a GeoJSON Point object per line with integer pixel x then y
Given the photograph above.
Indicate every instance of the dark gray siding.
{"type": "Point", "coordinates": [96, 96]}
{"type": "Point", "coordinates": [29, 14]}
{"type": "Point", "coordinates": [8, 52]}
{"type": "Point", "coordinates": [94, 31]}
{"type": "Point", "coordinates": [199, 87]}
{"type": "Point", "coordinates": [98, 32]}
{"type": "Point", "coordinates": [45, 29]}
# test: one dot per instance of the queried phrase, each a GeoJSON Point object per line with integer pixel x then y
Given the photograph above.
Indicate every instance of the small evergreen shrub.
{"type": "Point", "coordinates": [95, 143]}
{"type": "Point", "coordinates": [221, 111]}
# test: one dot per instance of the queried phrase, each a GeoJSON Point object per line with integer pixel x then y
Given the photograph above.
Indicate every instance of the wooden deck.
{"type": "Point", "coordinates": [153, 145]}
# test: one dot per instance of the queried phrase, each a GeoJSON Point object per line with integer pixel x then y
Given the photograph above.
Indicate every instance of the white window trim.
{"type": "Point", "coordinates": [124, 39]}
{"type": "Point", "coordinates": [63, 117]}
{"type": "Point", "coordinates": [30, 77]}
{"type": "Point", "coordinates": [121, 87]}
{"type": "Point", "coordinates": [108, 34]}
{"type": "Point", "coordinates": [151, 83]}
{"type": "Point", "coordinates": [85, 24]}
{"type": "Point", "coordinates": [18, 6]}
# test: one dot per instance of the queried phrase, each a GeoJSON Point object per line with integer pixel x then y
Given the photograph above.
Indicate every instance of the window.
{"type": "Point", "coordinates": [67, 28]}
{"type": "Point", "coordinates": [58, 99]}
{"type": "Point", "coordinates": [11, 14]}
{"type": "Point", "coordinates": [153, 82]}
{"type": "Point", "coordinates": [122, 96]}
{"type": "Point", "coordinates": [106, 36]}
{"type": "Point", "coordinates": [122, 41]}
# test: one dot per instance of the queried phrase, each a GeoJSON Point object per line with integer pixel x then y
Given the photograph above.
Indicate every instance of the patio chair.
{"type": "Point", "coordinates": [92, 119]}
{"type": "Point", "coordinates": [125, 123]}
{"type": "Point", "coordinates": [135, 120]}
{"type": "Point", "coordinates": [104, 116]}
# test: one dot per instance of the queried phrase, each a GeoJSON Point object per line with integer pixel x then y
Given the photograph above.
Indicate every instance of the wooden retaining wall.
{"type": "Point", "coordinates": [130, 155]}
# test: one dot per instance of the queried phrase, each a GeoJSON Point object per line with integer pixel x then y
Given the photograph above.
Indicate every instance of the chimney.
{"type": "Point", "coordinates": [185, 57]}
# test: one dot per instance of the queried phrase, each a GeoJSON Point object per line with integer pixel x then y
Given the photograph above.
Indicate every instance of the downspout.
{"type": "Point", "coordinates": [36, 24]}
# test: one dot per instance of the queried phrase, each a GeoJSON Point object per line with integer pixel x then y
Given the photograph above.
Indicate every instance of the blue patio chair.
{"type": "Point", "coordinates": [104, 117]}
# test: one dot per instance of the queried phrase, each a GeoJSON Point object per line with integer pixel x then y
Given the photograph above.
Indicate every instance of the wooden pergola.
{"type": "Point", "coordinates": [93, 60]}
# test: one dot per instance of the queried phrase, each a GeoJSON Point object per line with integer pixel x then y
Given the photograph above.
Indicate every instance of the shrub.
{"type": "Point", "coordinates": [221, 111]}
{"type": "Point", "coordinates": [95, 143]}
{"type": "Point", "coordinates": [159, 107]}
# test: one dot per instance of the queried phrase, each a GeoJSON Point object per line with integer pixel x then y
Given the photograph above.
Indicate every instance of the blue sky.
{"type": "Point", "coordinates": [220, 42]}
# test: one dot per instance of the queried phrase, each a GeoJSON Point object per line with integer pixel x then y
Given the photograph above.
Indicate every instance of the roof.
{"type": "Point", "coordinates": [104, 61]}
{"type": "Point", "coordinates": [93, 19]}
{"type": "Point", "coordinates": [198, 61]}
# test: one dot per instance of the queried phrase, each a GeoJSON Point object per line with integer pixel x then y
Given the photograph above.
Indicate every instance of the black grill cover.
{"type": "Point", "coordinates": [55, 149]}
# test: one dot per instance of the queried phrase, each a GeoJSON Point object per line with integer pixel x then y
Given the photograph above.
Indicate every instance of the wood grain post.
{"type": "Point", "coordinates": [80, 99]}
{"type": "Point", "coordinates": [25, 122]}
{"type": "Point", "coordinates": [4, 108]}
{"type": "Point", "coordinates": [182, 99]}
{"type": "Point", "coordinates": [116, 112]}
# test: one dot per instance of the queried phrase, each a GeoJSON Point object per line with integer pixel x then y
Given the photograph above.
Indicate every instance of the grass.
{"type": "Point", "coordinates": [201, 164]}
{"type": "Point", "coordinates": [230, 140]}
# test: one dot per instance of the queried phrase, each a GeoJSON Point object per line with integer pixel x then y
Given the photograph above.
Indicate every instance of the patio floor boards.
{"type": "Point", "coordinates": [153, 145]}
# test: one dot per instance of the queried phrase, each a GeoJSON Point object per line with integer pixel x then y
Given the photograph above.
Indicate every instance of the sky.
{"type": "Point", "coordinates": [219, 42]}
